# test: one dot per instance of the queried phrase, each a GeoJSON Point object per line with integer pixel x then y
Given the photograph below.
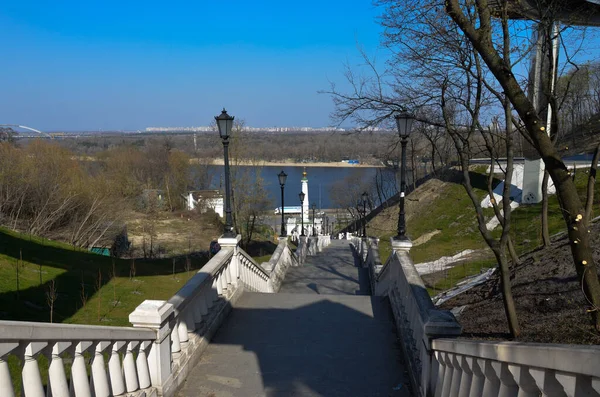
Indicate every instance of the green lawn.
{"type": "Point", "coordinates": [79, 277]}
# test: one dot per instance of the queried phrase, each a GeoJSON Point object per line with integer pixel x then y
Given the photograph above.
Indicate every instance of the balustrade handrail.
{"type": "Point", "coordinates": [261, 272]}
{"type": "Point", "coordinates": [204, 276]}
{"type": "Point", "coordinates": [582, 360]}
{"type": "Point", "coordinates": [32, 331]}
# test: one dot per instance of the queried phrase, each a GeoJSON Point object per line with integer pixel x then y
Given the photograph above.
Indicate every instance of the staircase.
{"type": "Point", "coordinates": [321, 335]}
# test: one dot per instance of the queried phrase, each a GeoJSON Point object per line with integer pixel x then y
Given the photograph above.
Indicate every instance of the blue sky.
{"type": "Point", "coordinates": [72, 65]}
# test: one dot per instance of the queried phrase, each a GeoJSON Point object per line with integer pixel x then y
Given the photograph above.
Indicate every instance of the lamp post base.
{"type": "Point", "coordinates": [401, 243]}
{"type": "Point", "coordinates": [229, 241]}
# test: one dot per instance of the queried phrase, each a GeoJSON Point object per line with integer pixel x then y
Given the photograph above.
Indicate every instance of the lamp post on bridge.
{"type": "Point", "coordinates": [365, 196]}
{"type": "Point", "coordinates": [314, 207]}
{"type": "Point", "coordinates": [327, 225]}
{"type": "Point", "coordinates": [282, 177]}
{"type": "Point", "coordinates": [302, 196]}
{"type": "Point", "coordinates": [225, 123]}
{"type": "Point", "coordinates": [404, 123]}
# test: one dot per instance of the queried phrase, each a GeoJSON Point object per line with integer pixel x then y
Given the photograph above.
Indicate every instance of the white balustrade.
{"type": "Point", "coordinates": [27, 341]}
{"type": "Point", "coordinates": [511, 369]}
{"type": "Point", "coordinates": [164, 336]}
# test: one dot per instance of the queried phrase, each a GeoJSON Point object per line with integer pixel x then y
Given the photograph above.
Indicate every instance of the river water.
{"type": "Point", "coordinates": [320, 181]}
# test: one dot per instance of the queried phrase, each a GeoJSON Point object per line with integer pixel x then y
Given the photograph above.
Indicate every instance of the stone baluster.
{"type": "Point", "coordinates": [156, 315]}
{"type": "Point", "coordinates": [80, 386]}
{"type": "Point", "coordinates": [32, 380]}
{"type": "Point", "coordinates": [175, 343]}
{"type": "Point", "coordinates": [6, 386]}
{"type": "Point", "coordinates": [129, 370]}
{"type": "Point", "coordinates": [467, 376]}
{"type": "Point", "coordinates": [478, 379]}
{"type": "Point", "coordinates": [226, 277]}
{"type": "Point", "coordinates": [448, 376]}
{"type": "Point", "coordinates": [524, 380]}
{"type": "Point", "coordinates": [141, 364]}
{"type": "Point", "coordinates": [508, 386]}
{"type": "Point", "coordinates": [219, 284]}
{"type": "Point", "coordinates": [457, 375]}
{"type": "Point", "coordinates": [99, 379]}
{"type": "Point", "coordinates": [546, 382]}
{"type": "Point", "coordinates": [57, 378]}
{"type": "Point", "coordinates": [182, 329]}
{"type": "Point", "coordinates": [441, 365]}
{"type": "Point", "coordinates": [575, 385]}
{"type": "Point", "coordinates": [200, 306]}
{"type": "Point", "coordinates": [115, 370]}
{"type": "Point", "coordinates": [491, 386]}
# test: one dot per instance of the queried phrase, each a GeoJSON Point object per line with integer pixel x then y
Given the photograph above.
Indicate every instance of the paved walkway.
{"type": "Point", "coordinates": [322, 341]}
{"type": "Point", "coordinates": [333, 271]}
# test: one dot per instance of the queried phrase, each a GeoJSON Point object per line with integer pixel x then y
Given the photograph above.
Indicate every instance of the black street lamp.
{"type": "Point", "coordinates": [302, 195]}
{"type": "Point", "coordinates": [327, 225]}
{"type": "Point", "coordinates": [282, 177]}
{"type": "Point", "coordinates": [225, 123]}
{"type": "Point", "coordinates": [365, 196]}
{"type": "Point", "coordinates": [314, 206]}
{"type": "Point", "coordinates": [404, 122]}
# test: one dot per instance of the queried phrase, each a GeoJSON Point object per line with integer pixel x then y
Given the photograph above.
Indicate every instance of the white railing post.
{"type": "Point", "coordinates": [115, 371]}
{"type": "Point", "coordinates": [141, 363]}
{"type": "Point", "coordinates": [32, 380]}
{"type": "Point", "coordinates": [80, 385]}
{"type": "Point", "coordinates": [156, 315]}
{"type": "Point", "coordinates": [6, 386]}
{"type": "Point", "coordinates": [129, 370]}
{"type": "Point", "coordinates": [99, 378]}
{"type": "Point", "coordinates": [57, 378]}
{"type": "Point", "coordinates": [524, 380]}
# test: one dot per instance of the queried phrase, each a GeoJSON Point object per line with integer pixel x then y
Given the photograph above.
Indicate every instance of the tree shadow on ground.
{"type": "Point", "coordinates": [299, 347]}
{"type": "Point", "coordinates": [70, 269]}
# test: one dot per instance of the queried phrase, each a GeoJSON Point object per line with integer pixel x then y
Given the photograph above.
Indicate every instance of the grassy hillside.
{"type": "Point", "coordinates": [441, 210]}
{"type": "Point", "coordinates": [91, 289]}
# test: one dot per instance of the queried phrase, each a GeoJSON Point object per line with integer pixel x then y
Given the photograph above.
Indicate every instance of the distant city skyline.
{"type": "Point", "coordinates": [129, 65]}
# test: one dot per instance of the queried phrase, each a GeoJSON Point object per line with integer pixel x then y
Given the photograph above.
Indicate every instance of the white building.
{"type": "Point", "coordinates": [203, 200]}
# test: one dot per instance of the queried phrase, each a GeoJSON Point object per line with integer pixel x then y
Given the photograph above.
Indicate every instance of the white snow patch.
{"type": "Point", "coordinates": [463, 286]}
{"type": "Point", "coordinates": [445, 262]}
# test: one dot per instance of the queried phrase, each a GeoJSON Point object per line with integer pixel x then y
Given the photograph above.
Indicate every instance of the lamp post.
{"type": "Point", "coordinates": [302, 195]}
{"type": "Point", "coordinates": [404, 122]}
{"type": "Point", "coordinates": [326, 225]}
{"type": "Point", "coordinates": [225, 123]}
{"type": "Point", "coordinates": [282, 177]}
{"type": "Point", "coordinates": [365, 196]}
{"type": "Point", "coordinates": [314, 206]}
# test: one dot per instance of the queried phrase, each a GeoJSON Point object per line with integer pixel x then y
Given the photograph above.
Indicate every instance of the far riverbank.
{"type": "Point", "coordinates": [262, 163]}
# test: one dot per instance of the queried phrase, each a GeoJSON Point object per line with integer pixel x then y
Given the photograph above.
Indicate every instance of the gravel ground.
{"type": "Point", "coordinates": [551, 307]}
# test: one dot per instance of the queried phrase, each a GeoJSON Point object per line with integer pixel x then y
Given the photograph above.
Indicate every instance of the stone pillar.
{"type": "Point", "coordinates": [312, 245]}
{"type": "Point", "coordinates": [403, 245]}
{"type": "Point", "coordinates": [158, 316]}
{"type": "Point", "coordinates": [234, 268]}
{"type": "Point", "coordinates": [305, 205]}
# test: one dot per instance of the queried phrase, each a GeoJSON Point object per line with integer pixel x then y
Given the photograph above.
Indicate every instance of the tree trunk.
{"type": "Point", "coordinates": [512, 251]}
{"type": "Point", "coordinates": [509, 303]}
{"type": "Point", "coordinates": [545, 232]}
{"type": "Point", "coordinates": [589, 201]}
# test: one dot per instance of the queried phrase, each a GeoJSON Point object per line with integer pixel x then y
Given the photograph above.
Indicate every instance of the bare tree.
{"type": "Point", "coordinates": [475, 20]}
{"type": "Point", "coordinates": [51, 296]}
